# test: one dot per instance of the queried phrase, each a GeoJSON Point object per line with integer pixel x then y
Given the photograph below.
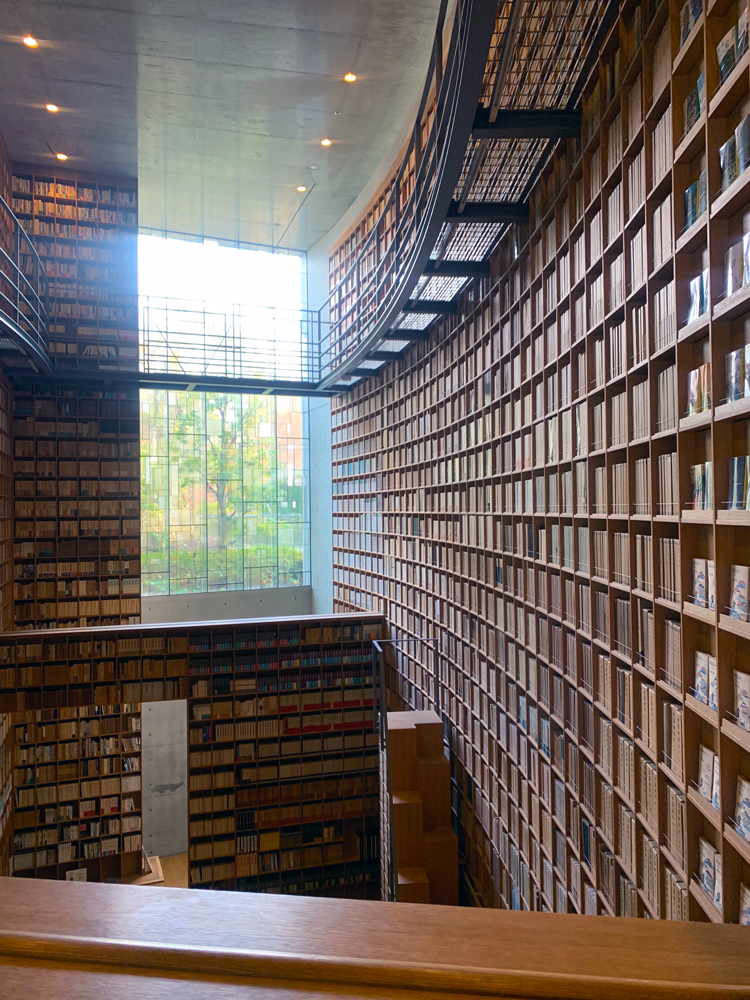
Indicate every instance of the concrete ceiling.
{"type": "Point", "coordinates": [217, 106]}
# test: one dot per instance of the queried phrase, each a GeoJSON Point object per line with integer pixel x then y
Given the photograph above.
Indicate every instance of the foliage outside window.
{"type": "Point", "coordinates": [224, 492]}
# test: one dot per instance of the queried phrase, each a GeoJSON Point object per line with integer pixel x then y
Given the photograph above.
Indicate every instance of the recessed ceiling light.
{"type": "Point", "coordinates": [313, 166]}
{"type": "Point", "coordinates": [61, 156]}
{"type": "Point", "coordinates": [30, 41]}
{"type": "Point", "coordinates": [337, 112]}
{"type": "Point", "coordinates": [51, 107]}
{"type": "Point", "coordinates": [325, 142]}
{"type": "Point", "coordinates": [301, 188]}
{"type": "Point", "coordinates": [350, 77]}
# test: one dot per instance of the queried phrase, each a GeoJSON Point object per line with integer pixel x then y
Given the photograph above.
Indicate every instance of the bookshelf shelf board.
{"type": "Point", "coordinates": [725, 205]}
{"type": "Point", "coordinates": [705, 902]}
{"type": "Point", "coordinates": [709, 714]}
{"type": "Point", "coordinates": [696, 421]}
{"type": "Point", "coordinates": [690, 516]}
{"type": "Point", "coordinates": [704, 807]}
{"type": "Point", "coordinates": [740, 846]}
{"type": "Point", "coordinates": [736, 733]}
{"type": "Point", "coordinates": [731, 90]}
{"type": "Point", "coordinates": [694, 331]}
{"type": "Point", "coordinates": [707, 615]}
{"type": "Point", "coordinates": [694, 237]}
{"type": "Point", "coordinates": [737, 409]}
{"type": "Point", "coordinates": [733, 517]}
{"type": "Point", "coordinates": [735, 626]}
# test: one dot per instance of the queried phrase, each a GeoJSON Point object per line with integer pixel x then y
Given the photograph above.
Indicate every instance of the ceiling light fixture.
{"type": "Point", "coordinates": [30, 41]}
{"type": "Point", "coordinates": [61, 156]}
{"type": "Point", "coordinates": [51, 107]}
{"type": "Point", "coordinates": [325, 142]}
{"type": "Point", "coordinates": [337, 112]}
{"type": "Point", "coordinates": [301, 188]}
{"type": "Point", "coordinates": [313, 166]}
{"type": "Point", "coordinates": [350, 77]}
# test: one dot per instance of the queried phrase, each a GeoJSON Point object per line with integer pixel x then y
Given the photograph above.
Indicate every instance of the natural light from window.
{"type": "Point", "coordinates": [224, 475]}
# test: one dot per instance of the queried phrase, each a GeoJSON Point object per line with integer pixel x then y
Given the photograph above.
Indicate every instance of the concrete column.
{"type": "Point", "coordinates": [164, 753]}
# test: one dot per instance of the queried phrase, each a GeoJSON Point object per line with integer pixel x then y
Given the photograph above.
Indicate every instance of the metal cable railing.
{"type": "Point", "coordinates": [24, 320]}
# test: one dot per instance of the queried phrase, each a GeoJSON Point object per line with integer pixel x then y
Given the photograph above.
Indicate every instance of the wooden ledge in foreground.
{"type": "Point", "coordinates": [66, 941]}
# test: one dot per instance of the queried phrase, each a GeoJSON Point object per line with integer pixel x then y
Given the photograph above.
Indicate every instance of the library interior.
{"type": "Point", "coordinates": [375, 499]}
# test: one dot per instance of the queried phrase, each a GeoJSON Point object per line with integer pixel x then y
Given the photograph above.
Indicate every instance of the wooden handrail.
{"type": "Point", "coordinates": [350, 947]}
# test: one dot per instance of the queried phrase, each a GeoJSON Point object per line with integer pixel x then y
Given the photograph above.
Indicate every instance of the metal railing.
{"type": "Point", "coordinates": [235, 342]}
{"type": "Point", "coordinates": [24, 320]}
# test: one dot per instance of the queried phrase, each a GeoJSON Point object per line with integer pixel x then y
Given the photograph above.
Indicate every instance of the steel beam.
{"type": "Point", "coordinates": [535, 124]}
{"type": "Point", "coordinates": [412, 335]}
{"type": "Point", "coordinates": [384, 355]}
{"type": "Point", "coordinates": [458, 268]}
{"type": "Point", "coordinates": [500, 212]}
{"type": "Point", "coordinates": [442, 307]}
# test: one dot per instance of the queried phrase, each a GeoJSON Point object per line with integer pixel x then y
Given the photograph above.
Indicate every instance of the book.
{"type": "Point", "coordinates": [716, 785]}
{"type": "Point", "coordinates": [708, 866]}
{"type": "Point", "coordinates": [701, 677]}
{"type": "Point", "coordinates": [728, 162]}
{"type": "Point", "coordinates": [733, 266]}
{"type": "Point", "coordinates": [737, 482]}
{"type": "Point", "coordinates": [710, 571]}
{"type": "Point", "coordinates": [738, 601]}
{"type": "Point", "coordinates": [742, 699]}
{"type": "Point", "coordinates": [735, 374]}
{"type": "Point", "coordinates": [713, 687]}
{"type": "Point", "coordinates": [742, 144]}
{"type": "Point", "coordinates": [744, 920]}
{"type": "Point", "coordinates": [726, 53]}
{"type": "Point", "coordinates": [699, 582]}
{"type": "Point", "coordinates": [718, 896]}
{"type": "Point", "coordinates": [694, 393]}
{"type": "Point", "coordinates": [741, 37]}
{"type": "Point", "coordinates": [705, 771]}
{"type": "Point", "coordinates": [742, 810]}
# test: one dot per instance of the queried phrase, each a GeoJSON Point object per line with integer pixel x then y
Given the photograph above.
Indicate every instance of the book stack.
{"type": "Point", "coordinates": [661, 147]}
{"type": "Point", "coordinates": [742, 700]}
{"type": "Point", "coordinates": [738, 595]}
{"type": "Point", "coordinates": [600, 554]}
{"type": "Point", "coordinates": [643, 555]}
{"type": "Point", "coordinates": [675, 824]}
{"type": "Point", "coordinates": [619, 419]}
{"type": "Point", "coordinates": [640, 339]}
{"type": "Point", "coordinates": [706, 682]}
{"type": "Point", "coordinates": [689, 14]}
{"type": "Point", "coordinates": [666, 399]}
{"type": "Point", "coordinates": [662, 232]}
{"type": "Point", "coordinates": [695, 104]}
{"type": "Point", "coordinates": [733, 45]}
{"type": "Point", "coordinates": [739, 496]}
{"type": "Point", "coordinates": [669, 561]}
{"type": "Point", "coordinates": [738, 373]}
{"type": "Point", "coordinates": [620, 488]}
{"type": "Point", "coordinates": [696, 200]}
{"type": "Point", "coordinates": [662, 63]}
{"type": "Point", "coordinates": [699, 389]}
{"type": "Point", "coordinates": [615, 213]}
{"type": "Point", "coordinates": [640, 411]}
{"type": "Point", "coordinates": [672, 668]}
{"type": "Point", "coordinates": [698, 296]}
{"type": "Point", "coordinates": [672, 722]}
{"type": "Point", "coordinates": [704, 583]}
{"type": "Point", "coordinates": [636, 183]}
{"type": "Point", "coordinates": [664, 316]}
{"type": "Point", "coordinates": [701, 483]}
{"type": "Point", "coordinates": [621, 557]}
{"type": "Point", "coordinates": [668, 485]}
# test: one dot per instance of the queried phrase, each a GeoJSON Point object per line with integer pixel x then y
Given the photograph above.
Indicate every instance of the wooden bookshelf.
{"type": "Point", "coordinates": [6, 792]}
{"type": "Point", "coordinates": [76, 506]}
{"type": "Point", "coordinates": [496, 462]}
{"type": "Point", "coordinates": [77, 792]}
{"type": "Point", "coordinates": [283, 766]}
{"type": "Point", "coordinates": [283, 759]}
{"type": "Point", "coordinates": [84, 229]}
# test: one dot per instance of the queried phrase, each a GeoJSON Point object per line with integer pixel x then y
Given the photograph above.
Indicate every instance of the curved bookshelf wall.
{"type": "Point", "coordinates": [551, 486]}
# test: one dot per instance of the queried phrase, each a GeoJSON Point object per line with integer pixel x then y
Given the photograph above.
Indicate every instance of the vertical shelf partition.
{"type": "Point", "coordinates": [542, 485]}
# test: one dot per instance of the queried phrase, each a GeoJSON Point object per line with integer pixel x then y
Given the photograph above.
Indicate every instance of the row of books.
{"type": "Point", "coordinates": [669, 491]}
{"type": "Point", "coordinates": [661, 147]}
{"type": "Point", "coordinates": [662, 232]}
{"type": "Point", "coordinates": [701, 485]}
{"type": "Point", "coordinates": [704, 583]}
{"type": "Point", "coordinates": [699, 389]}
{"type": "Point", "coordinates": [734, 154]}
{"type": "Point", "coordinates": [739, 483]}
{"type": "Point", "coordinates": [737, 265]}
{"type": "Point", "coordinates": [706, 680]}
{"type": "Point", "coordinates": [664, 316]}
{"type": "Point", "coordinates": [698, 297]}
{"type": "Point", "coordinates": [711, 871]}
{"type": "Point", "coordinates": [734, 44]}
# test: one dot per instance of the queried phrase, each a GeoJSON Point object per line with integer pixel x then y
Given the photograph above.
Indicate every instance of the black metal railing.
{"type": "Point", "coordinates": [24, 320]}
